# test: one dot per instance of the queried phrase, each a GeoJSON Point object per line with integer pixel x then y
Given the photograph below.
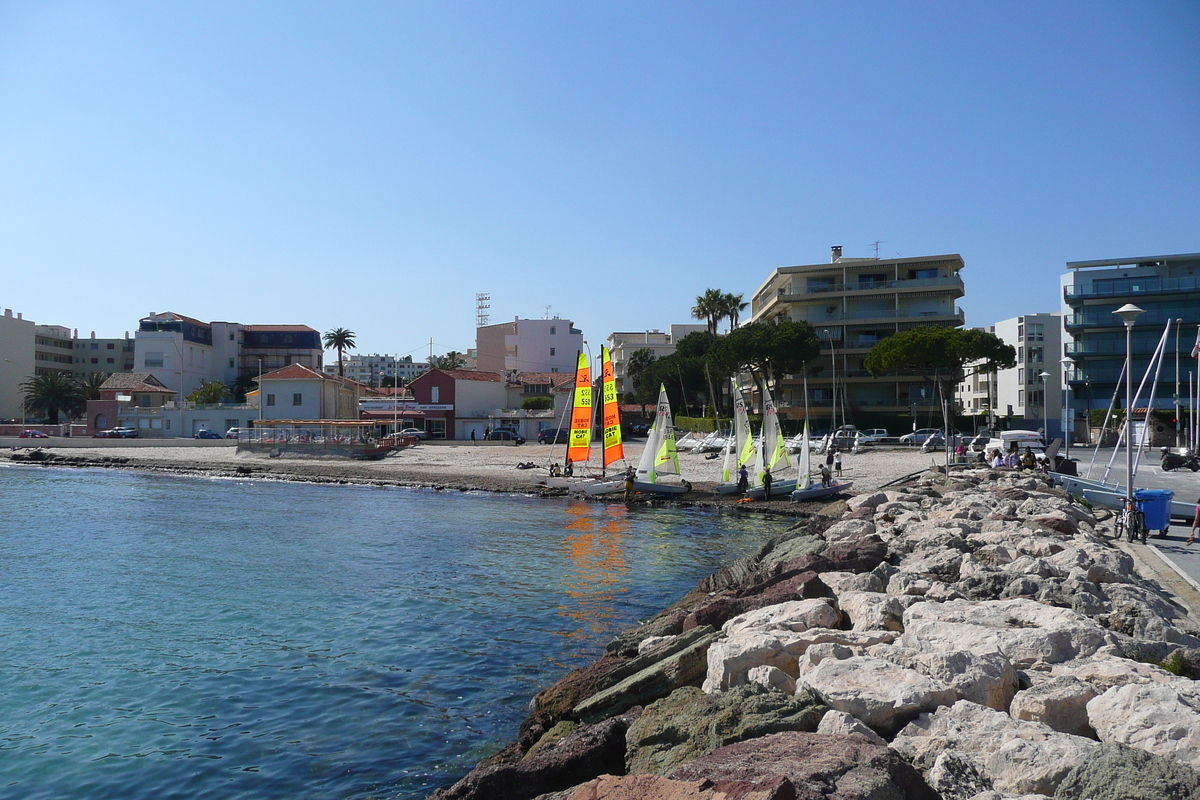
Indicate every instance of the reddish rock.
{"type": "Point", "coordinates": [724, 608]}
{"type": "Point", "coordinates": [586, 752]}
{"type": "Point", "coordinates": [819, 766]}
{"type": "Point", "coordinates": [652, 787]}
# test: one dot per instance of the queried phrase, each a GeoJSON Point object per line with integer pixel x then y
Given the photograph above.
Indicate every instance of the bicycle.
{"type": "Point", "coordinates": [1133, 523]}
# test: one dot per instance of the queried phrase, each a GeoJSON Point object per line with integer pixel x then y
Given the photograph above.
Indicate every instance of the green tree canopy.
{"type": "Point", "coordinates": [769, 349]}
{"type": "Point", "coordinates": [637, 369]}
{"type": "Point", "coordinates": [537, 403]}
{"type": "Point", "coordinates": [939, 354]}
{"type": "Point", "coordinates": [452, 360]}
{"type": "Point", "coordinates": [209, 393]}
{"type": "Point", "coordinates": [733, 309]}
{"type": "Point", "coordinates": [48, 394]}
{"type": "Point", "coordinates": [339, 339]}
{"type": "Point", "coordinates": [711, 307]}
{"type": "Point", "coordinates": [90, 385]}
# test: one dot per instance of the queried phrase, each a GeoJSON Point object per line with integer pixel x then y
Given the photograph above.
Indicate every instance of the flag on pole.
{"type": "Point", "coordinates": [1196, 348]}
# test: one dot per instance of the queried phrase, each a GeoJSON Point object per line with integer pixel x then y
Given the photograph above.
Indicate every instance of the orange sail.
{"type": "Point", "coordinates": [579, 443]}
{"type": "Point", "coordinates": [613, 450]}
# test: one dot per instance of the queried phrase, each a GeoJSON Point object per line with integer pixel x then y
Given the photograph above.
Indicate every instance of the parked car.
{"type": "Point", "coordinates": [234, 433]}
{"type": "Point", "coordinates": [31, 434]}
{"type": "Point", "coordinates": [206, 434]}
{"type": "Point", "coordinates": [116, 433]}
{"type": "Point", "coordinates": [417, 432]}
{"type": "Point", "coordinates": [640, 428]}
{"type": "Point", "coordinates": [553, 436]}
{"type": "Point", "coordinates": [874, 434]}
{"type": "Point", "coordinates": [919, 437]}
{"type": "Point", "coordinates": [503, 435]}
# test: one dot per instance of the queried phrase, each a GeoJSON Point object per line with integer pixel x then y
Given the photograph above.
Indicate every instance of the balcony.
{"type": "Point", "coordinates": [952, 283]}
{"type": "Point", "coordinates": [1108, 319]}
{"type": "Point", "coordinates": [1132, 287]}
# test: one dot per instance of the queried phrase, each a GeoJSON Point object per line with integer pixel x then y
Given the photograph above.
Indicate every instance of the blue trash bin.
{"type": "Point", "coordinates": [1156, 505]}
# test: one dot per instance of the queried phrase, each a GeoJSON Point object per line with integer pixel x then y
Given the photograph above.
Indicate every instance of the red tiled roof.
{"type": "Point", "coordinates": [134, 382]}
{"type": "Point", "coordinates": [470, 375]}
{"type": "Point", "coordinates": [294, 372]}
{"type": "Point", "coordinates": [559, 380]}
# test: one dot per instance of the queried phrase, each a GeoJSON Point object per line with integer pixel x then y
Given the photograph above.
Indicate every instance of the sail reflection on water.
{"type": "Point", "coordinates": [594, 547]}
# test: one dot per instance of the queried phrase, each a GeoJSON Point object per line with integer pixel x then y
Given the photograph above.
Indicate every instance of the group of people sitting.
{"type": "Point", "coordinates": [1014, 459]}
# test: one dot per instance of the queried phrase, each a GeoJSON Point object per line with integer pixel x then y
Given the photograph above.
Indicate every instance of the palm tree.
{"type": "Point", "coordinates": [339, 339]}
{"type": "Point", "coordinates": [209, 393]}
{"type": "Point", "coordinates": [452, 360]}
{"type": "Point", "coordinates": [53, 392]}
{"type": "Point", "coordinates": [90, 386]}
{"type": "Point", "coordinates": [710, 307]}
{"type": "Point", "coordinates": [733, 308]}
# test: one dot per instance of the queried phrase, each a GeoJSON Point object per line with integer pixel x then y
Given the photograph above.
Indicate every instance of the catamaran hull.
{"type": "Point", "coordinates": [818, 491]}
{"type": "Point", "coordinates": [728, 488]}
{"type": "Point", "coordinates": [645, 487]}
{"type": "Point", "coordinates": [1109, 496]}
{"type": "Point", "coordinates": [779, 490]}
{"type": "Point", "coordinates": [604, 487]}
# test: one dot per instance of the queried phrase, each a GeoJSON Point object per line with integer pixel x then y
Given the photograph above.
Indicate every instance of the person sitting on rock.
{"type": "Point", "coordinates": [1028, 461]}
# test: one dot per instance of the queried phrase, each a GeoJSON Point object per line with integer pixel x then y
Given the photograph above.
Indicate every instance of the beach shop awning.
{"type": "Point", "coordinates": [384, 415]}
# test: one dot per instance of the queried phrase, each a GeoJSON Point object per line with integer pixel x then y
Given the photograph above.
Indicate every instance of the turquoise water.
{"type": "Point", "coordinates": [175, 637]}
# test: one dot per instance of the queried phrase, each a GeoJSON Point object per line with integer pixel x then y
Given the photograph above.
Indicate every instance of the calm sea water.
{"type": "Point", "coordinates": [173, 637]}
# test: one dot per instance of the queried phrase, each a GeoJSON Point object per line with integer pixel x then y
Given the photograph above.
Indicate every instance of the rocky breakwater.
{"type": "Point", "coordinates": [972, 635]}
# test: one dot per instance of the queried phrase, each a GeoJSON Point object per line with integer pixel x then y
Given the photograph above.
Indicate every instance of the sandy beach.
{"type": "Point", "coordinates": [463, 466]}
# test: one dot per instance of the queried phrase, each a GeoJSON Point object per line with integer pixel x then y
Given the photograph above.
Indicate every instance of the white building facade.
{"type": "Point", "coordinates": [623, 344]}
{"type": "Point", "coordinates": [528, 345]}
{"type": "Point", "coordinates": [17, 336]}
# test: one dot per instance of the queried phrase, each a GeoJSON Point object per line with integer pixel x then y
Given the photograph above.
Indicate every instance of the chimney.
{"type": "Point", "coordinates": [19, 315]}
{"type": "Point", "coordinates": [835, 253]}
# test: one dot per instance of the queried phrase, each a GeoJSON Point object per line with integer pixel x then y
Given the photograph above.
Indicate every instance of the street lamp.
{"type": "Point", "coordinates": [1178, 430]}
{"type": "Point", "coordinates": [1068, 417]}
{"type": "Point", "coordinates": [1129, 314]}
{"type": "Point", "coordinates": [1045, 409]}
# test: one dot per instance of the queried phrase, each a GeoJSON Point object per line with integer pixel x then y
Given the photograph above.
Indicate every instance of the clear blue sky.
{"type": "Point", "coordinates": [374, 165]}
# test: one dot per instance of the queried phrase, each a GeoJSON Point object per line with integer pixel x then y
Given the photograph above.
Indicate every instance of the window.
{"type": "Point", "coordinates": [920, 274]}
{"type": "Point", "coordinates": [95, 345]}
{"type": "Point", "coordinates": [551, 351]}
{"type": "Point", "coordinates": [270, 399]}
{"type": "Point", "coordinates": [231, 339]}
{"type": "Point", "coordinates": [297, 399]}
{"type": "Point", "coordinates": [553, 331]}
{"type": "Point", "coordinates": [1021, 397]}
{"type": "Point", "coordinates": [231, 367]}
{"type": "Point", "coordinates": [111, 346]}
{"type": "Point", "coordinates": [153, 360]}
{"type": "Point", "coordinates": [95, 361]}
{"type": "Point", "coordinates": [1021, 375]}
{"type": "Point", "coordinates": [111, 360]}
{"type": "Point", "coordinates": [434, 394]}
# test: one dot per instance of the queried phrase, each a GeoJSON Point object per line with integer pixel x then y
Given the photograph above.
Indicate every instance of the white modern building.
{"type": "Point", "coordinates": [372, 369]}
{"type": "Point", "coordinates": [623, 344]}
{"type": "Point", "coordinates": [528, 345]}
{"type": "Point", "coordinates": [1032, 390]}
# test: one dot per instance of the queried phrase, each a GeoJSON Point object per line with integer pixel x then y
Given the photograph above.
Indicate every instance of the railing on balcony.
{"type": "Point", "coordinates": [1133, 286]}
{"type": "Point", "coordinates": [1107, 319]}
{"type": "Point", "coordinates": [874, 286]}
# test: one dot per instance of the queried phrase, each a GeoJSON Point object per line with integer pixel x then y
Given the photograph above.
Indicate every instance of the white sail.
{"type": "Point", "coordinates": [660, 456]}
{"type": "Point", "coordinates": [741, 450]}
{"type": "Point", "coordinates": [772, 452]}
{"type": "Point", "coordinates": [804, 476]}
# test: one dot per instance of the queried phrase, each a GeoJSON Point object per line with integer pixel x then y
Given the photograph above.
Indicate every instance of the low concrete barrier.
{"type": "Point", "coordinates": [76, 442]}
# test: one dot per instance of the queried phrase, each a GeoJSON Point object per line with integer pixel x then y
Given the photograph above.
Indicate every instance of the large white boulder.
{"type": "Point", "coordinates": [794, 615]}
{"type": "Point", "coordinates": [870, 611]}
{"type": "Point", "coordinates": [1163, 718]}
{"type": "Point", "coordinates": [731, 659]}
{"type": "Point", "coordinates": [840, 723]}
{"type": "Point", "coordinates": [1060, 703]}
{"type": "Point", "coordinates": [848, 529]}
{"type": "Point", "coordinates": [881, 694]}
{"type": "Point", "coordinates": [1025, 631]}
{"type": "Point", "coordinates": [1103, 673]}
{"type": "Point", "coordinates": [1017, 757]}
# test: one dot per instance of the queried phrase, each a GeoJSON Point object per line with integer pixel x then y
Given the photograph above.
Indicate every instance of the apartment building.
{"type": "Point", "coordinates": [1166, 287]}
{"type": "Point", "coordinates": [53, 350]}
{"type": "Point", "coordinates": [853, 303]}
{"type": "Point", "coordinates": [17, 336]}
{"type": "Point", "coordinates": [182, 352]}
{"type": "Point", "coordinates": [103, 356]}
{"type": "Point", "coordinates": [623, 344]}
{"type": "Point", "coordinates": [372, 369]}
{"type": "Point", "coordinates": [528, 345]}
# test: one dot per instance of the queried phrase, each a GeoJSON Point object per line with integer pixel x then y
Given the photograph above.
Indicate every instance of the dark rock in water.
{"type": "Point", "coordinates": [666, 623]}
{"type": "Point", "coordinates": [802, 539]}
{"type": "Point", "coordinates": [721, 609]}
{"type": "Point", "coordinates": [1118, 772]}
{"type": "Point", "coordinates": [819, 766]}
{"type": "Point", "coordinates": [581, 755]}
{"type": "Point", "coordinates": [690, 723]}
{"type": "Point", "coordinates": [680, 663]}
{"type": "Point", "coordinates": [653, 787]}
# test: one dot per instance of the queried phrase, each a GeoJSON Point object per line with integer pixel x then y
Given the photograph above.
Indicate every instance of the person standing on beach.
{"type": "Point", "coordinates": [628, 483]}
{"type": "Point", "coordinates": [473, 436]}
{"type": "Point", "coordinates": [837, 463]}
{"type": "Point", "coordinates": [743, 482]}
{"type": "Point", "coordinates": [829, 456]}
{"type": "Point", "coordinates": [766, 480]}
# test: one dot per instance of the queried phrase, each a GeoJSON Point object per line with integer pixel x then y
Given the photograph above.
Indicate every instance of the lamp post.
{"type": "Point", "coordinates": [1129, 314]}
{"type": "Point", "coordinates": [1045, 409]}
{"type": "Point", "coordinates": [1068, 417]}
{"type": "Point", "coordinates": [1178, 431]}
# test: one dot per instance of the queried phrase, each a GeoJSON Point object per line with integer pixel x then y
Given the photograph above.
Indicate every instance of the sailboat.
{"type": "Point", "coordinates": [614, 449]}
{"type": "Point", "coordinates": [805, 488]}
{"type": "Point", "coordinates": [772, 453]}
{"type": "Point", "coordinates": [740, 449]}
{"type": "Point", "coordinates": [660, 456]}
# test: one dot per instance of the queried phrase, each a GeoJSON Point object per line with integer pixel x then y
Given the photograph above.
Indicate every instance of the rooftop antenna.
{"type": "Point", "coordinates": [547, 313]}
{"type": "Point", "coordinates": [876, 244]}
{"type": "Point", "coordinates": [482, 304]}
